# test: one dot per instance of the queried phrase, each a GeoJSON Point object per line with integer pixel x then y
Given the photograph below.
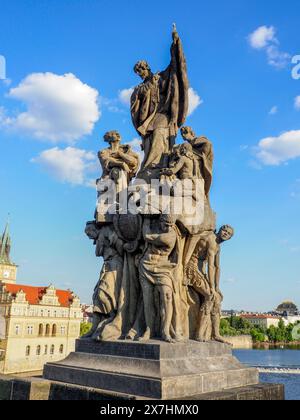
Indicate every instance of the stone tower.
{"type": "Point", "coordinates": [8, 270]}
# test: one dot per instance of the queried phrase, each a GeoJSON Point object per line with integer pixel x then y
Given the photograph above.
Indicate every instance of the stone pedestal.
{"type": "Point", "coordinates": [154, 370]}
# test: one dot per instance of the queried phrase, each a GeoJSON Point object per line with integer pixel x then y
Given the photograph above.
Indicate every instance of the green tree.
{"type": "Point", "coordinates": [257, 336]}
{"type": "Point", "coordinates": [226, 329]}
{"type": "Point", "coordinates": [272, 333]}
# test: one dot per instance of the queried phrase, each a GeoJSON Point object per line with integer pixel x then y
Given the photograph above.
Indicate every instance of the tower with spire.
{"type": "Point", "coordinates": [8, 270]}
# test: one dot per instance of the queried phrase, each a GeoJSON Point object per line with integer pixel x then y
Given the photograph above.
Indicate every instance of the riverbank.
{"type": "Point", "coordinates": [295, 345]}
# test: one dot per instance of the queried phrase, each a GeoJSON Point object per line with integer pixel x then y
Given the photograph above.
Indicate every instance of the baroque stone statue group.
{"type": "Point", "coordinates": [160, 277]}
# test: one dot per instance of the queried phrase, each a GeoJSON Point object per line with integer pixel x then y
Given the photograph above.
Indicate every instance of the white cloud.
{"type": "Point", "coordinates": [112, 105]}
{"type": "Point", "coordinates": [4, 119]}
{"type": "Point", "coordinates": [125, 95]}
{"type": "Point", "coordinates": [6, 82]}
{"type": "Point", "coordinates": [136, 147]}
{"type": "Point", "coordinates": [295, 248]}
{"type": "Point", "coordinates": [231, 280]}
{"type": "Point", "coordinates": [58, 108]}
{"type": "Point", "coordinates": [244, 147]}
{"type": "Point", "coordinates": [194, 101]}
{"type": "Point", "coordinates": [278, 150]}
{"type": "Point", "coordinates": [135, 144]}
{"type": "Point", "coordinates": [273, 110]}
{"type": "Point", "coordinates": [264, 38]}
{"type": "Point", "coordinates": [295, 189]}
{"type": "Point", "coordinates": [297, 103]}
{"type": "Point", "coordinates": [277, 58]}
{"type": "Point", "coordinates": [70, 165]}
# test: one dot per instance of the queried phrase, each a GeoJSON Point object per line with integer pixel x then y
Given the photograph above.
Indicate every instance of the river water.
{"type": "Point", "coordinates": [274, 360]}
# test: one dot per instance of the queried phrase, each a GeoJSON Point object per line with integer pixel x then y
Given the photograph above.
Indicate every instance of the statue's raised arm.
{"type": "Point", "coordinates": [159, 107]}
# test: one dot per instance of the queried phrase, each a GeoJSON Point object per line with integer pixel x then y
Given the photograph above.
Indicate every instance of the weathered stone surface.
{"type": "Point", "coordinates": [154, 227]}
{"type": "Point", "coordinates": [261, 392]}
{"type": "Point", "coordinates": [240, 342]}
{"type": "Point", "coordinates": [5, 388]}
{"type": "Point", "coordinates": [24, 389]}
{"type": "Point", "coordinates": [153, 369]}
{"type": "Point", "coordinates": [153, 350]}
{"type": "Point", "coordinates": [58, 391]}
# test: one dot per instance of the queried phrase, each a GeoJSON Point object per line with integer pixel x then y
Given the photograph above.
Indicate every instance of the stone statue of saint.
{"type": "Point", "coordinates": [183, 164]}
{"type": "Point", "coordinates": [106, 294]}
{"type": "Point", "coordinates": [161, 272]}
{"type": "Point", "coordinates": [117, 158]}
{"type": "Point", "coordinates": [203, 274]}
{"type": "Point", "coordinates": [203, 151]}
{"type": "Point", "coordinates": [156, 271]}
{"type": "Point", "coordinates": [159, 107]}
{"type": "Point", "coordinates": [119, 164]}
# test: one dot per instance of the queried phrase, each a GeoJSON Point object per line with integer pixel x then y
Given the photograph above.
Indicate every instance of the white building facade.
{"type": "Point", "coordinates": [37, 325]}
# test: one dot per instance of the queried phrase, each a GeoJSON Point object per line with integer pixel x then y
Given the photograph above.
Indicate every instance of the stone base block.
{"type": "Point", "coordinates": [38, 389]}
{"type": "Point", "coordinates": [154, 370]}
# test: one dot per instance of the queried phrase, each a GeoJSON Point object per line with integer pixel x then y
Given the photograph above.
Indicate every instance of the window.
{"type": "Point", "coordinates": [42, 312]}
{"type": "Point", "coordinates": [41, 329]}
{"type": "Point", "coordinates": [55, 314]}
{"type": "Point", "coordinates": [17, 329]}
{"type": "Point", "coordinates": [46, 350]}
{"type": "Point", "coordinates": [27, 351]}
{"type": "Point", "coordinates": [54, 330]}
{"type": "Point", "coordinates": [52, 349]}
{"type": "Point", "coordinates": [38, 350]}
{"type": "Point", "coordinates": [63, 330]}
{"type": "Point", "coordinates": [61, 349]}
{"type": "Point", "coordinates": [47, 330]}
{"type": "Point", "coordinates": [30, 330]}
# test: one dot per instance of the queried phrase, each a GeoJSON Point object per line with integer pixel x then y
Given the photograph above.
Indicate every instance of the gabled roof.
{"type": "Point", "coordinates": [35, 294]}
{"type": "Point", "coordinates": [258, 316]}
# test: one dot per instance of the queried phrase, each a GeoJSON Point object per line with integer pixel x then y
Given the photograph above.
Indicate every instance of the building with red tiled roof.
{"type": "Point", "coordinates": [262, 320]}
{"type": "Point", "coordinates": [37, 324]}
{"type": "Point", "coordinates": [34, 295]}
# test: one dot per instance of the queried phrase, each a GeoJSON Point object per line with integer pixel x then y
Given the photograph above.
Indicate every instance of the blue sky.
{"type": "Point", "coordinates": [69, 65]}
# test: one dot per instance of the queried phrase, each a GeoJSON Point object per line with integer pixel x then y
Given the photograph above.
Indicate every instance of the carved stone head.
{"type": "Point", "coordinates": [92, 231]}
{"type": "Point", "coordinates": [112, 137]}
{"type": "Point", "coordinates": [166, 222]}
{"type": "Point", "coordinates": [186, 149]}
{"type": "Point", "coordinates": [188, 133]}
{"type": "Point", "coordinates": [143, 69]}
{"type": "Point", "coordinates": [225, 233]}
